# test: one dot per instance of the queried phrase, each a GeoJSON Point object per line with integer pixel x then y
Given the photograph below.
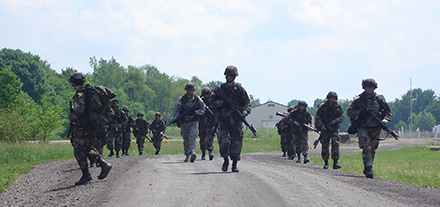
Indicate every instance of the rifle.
{"type": "Point", "coordinates": [148, 138]}
{"type": "Point", "coordinates": [382, 125]}
{"type": "Point", "coordinates": [181, 115]}
{"type": "Point", "coordinates": [233, 108]}
{"type": "Point", "coordinates": [163, 135]}
{"type": "Point", "coordinates": [280, 114]}
{"type": "Point", "coordinates": [69, 133]}
{"type": "Point", "coordinates": [327, 127]}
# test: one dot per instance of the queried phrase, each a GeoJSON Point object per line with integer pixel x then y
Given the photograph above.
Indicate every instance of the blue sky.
{"type": "Point", "coordinates": [284, 50]}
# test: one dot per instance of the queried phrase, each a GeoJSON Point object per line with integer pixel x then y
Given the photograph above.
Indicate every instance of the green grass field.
{"type": "Point", "coordinates": [417, 165]}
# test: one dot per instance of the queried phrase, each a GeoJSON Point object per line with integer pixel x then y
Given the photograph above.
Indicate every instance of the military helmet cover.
{"type": "Point", "coordinates": [332, 94]}
{"type": "Point", "coordinates": [190, 86]}
{"type": "Point", "coordinates": [114, 103]}
{"type": "Point", "coordinates": [368, 83]}
{"type": "Point", "coordinates": [206, 91]}
{"type": "Point", "coordinates": [77, 78]}
{"type": "Point", "coordinates": [125, 108]}
{"type": "Point", "coordinates": [140, 114]}
{"type": "Point", "coordinates": [158, 114]}
{"type": "Point", "coordinates": [231, 70]}
{"type": "Point", "coordinates": [302, 103]}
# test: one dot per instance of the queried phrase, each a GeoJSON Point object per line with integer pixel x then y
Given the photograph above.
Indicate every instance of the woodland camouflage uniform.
{"type": "Point", "coordinates": [158, 127]}
{"type": "Point", "coordinates": [207, 126]}
{"type": "Point", "coordinates": [126, 135]}
{"type": "Point", "coordinates": [117, 120]}
{"type": "Point", "coordinates": [300, 133]}
{"type": "Point", "coordinates": [140, 132]}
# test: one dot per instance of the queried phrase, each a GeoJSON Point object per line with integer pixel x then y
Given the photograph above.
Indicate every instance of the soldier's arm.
{"type": "Point", "coordinates": [202, 109]}
{"type": "Point", "coordinates": [353, 111]}
{"type": "Point", "coordinates": [340, 116]}
{"type": "Point", "coordinates": [79, 106]}
{"type": "Point", "coordinates": [246, 103]}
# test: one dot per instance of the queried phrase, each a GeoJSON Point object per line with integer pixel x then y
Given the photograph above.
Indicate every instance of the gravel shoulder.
{"type": "Point", "coordinates": [265, 179]}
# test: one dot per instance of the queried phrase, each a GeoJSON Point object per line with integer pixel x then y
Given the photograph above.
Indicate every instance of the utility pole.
{"type": "Point", "coordinates": [411, 100]}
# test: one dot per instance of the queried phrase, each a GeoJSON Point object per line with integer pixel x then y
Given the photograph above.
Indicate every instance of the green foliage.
{"type": "Point", "coordinates": [425, 120]}
{"type": "Point", "coordinates": [10, 88]}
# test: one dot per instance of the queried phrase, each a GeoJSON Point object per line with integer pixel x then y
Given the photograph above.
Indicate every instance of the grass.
{"type": "Point", "coordinates": [416, 165]}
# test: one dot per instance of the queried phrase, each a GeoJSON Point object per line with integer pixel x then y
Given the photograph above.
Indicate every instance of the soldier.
{"type": "Point", "coordinates": [126, 135]}
{"type": "Point", "coordinates": [283, 129]}
{"type": "Point", "coordinates": [207, 126]}
{"type": "Point", "coordinates": [230, 132]}
{"type": "Point", "coordinates": [297, 119]}
{"type": "Point", "coordinates": [158, 127]}
{"type": "Point", "coordinates": [83, 136]}
{"type": "Point", "coordinates": [140, 131]}
{"type": "Point", "coordinates": [368, 128]}
{"type": "Point", "coordinates": [191, 107]}
{"type": "Point", "coordinates": [118, 119]}
{"type": "Point", "coordinates": [328, 117]}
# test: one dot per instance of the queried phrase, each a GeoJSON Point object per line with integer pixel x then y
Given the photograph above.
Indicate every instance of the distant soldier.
{"type": "Point", "coordinates": [367, 127]}
{"type": "Point", "coordinates": [286, 136]}
{"type": "Point", "coordinates": [207, 126]}
{"type": "Point", "coordinates": [118, 119]}
{"type": "Point", "coordinates": [158, 127]}
{"type": "Point", "coordinates": [83, 136]}
{"type": "Point", "coordinates": [298, 118]}
{"type": "Point", "coordinates": [191, 107]}
{"type": "Point", "coordinates": [126, 135]}
{"type": "Point", "coordinates": [140, 131]}
{"type": "Point", "coordinates": [328, 117]}
{"type": "Point", "coordinates": [230, 132]}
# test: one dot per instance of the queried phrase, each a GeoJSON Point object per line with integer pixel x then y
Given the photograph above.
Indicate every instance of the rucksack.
{"type": "Point", "coordinates": [97, 104]}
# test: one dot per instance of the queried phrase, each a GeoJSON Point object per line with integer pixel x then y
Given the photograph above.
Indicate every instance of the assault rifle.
{"type": "Point", "coordinates": [300, 123]}
{"type": "Point", "coordinates": [280, 114]}
{"type": "Point", "coordinates": [382, 125]}
{"type": "Point", "coordinates": [182, 115]}
{"type": "Point", "coordinates": [234, 109]}
{"type": "Point", "coordinates": [327, 127]}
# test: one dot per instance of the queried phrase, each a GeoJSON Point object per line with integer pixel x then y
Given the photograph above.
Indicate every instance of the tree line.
{"type": "Point", "coordinates": [34, 99]}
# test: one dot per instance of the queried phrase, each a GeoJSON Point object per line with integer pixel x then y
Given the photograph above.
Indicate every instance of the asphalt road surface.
{"type": "Point", "coordinates": [265, 179]}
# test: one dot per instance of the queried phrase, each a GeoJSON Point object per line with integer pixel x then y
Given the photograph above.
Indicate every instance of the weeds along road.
{"type": "Point", "coordinates": [265, 179]}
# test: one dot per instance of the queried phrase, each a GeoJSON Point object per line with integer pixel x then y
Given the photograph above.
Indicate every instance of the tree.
{"type": "Point", "coordinates": [10, 88]}
{"type": "Point", "coordinates": [214, 84]}
{"type": "Point", "coordinates": [424, 120]}
{"type": "Point", "coordinates": [293, 103]}
{"type": "Point", "coordinates": [254, 101]}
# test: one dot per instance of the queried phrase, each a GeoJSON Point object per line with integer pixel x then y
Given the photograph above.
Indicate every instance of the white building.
{"type": "Point", "coordinates": [264, 115]}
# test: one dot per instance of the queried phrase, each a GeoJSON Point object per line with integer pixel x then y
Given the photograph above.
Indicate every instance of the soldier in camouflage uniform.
{"type": "Point", "coordinates": [158, 127]}
{"type": "Point", "coordinates": [189, 124]}
{"type": "Point", "coordinates": [207, 126]}
{"type": "Point", "coordinates": [140, 131]}
{"type": "Point", "coordinates": [368, 128]}
{"type": "Point", "coordinates": [230, 132]}
{"type": "Point", "coordinates": [118, 119]}
{"type": "Point", "coordinates": [82, 136]}
{"type": "Point", "coordinates": [286, 136]}
{"type": "Point", "coordinates": [328, 117]}
{"type": "Point", "coordinates": [296, 119]}
{"type": "Point", "coordinates": [126, 135]}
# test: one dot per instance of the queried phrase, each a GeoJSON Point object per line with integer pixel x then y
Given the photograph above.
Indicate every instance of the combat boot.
{"type": "Point", "coordinates": [140, 152]}
{"type": "Point", "coordinates": [336, 164]}
{"type": "Point", "coordinates": [91, 163]}
{"type": "Point", "coordinates": [203, 155]}
{"type": "Point", "coordinates": [117, 154]}
{"type": "Point", "coordinates": [211, 156]}
{"type": "Point", "coordinates": [325, 164]}
{"type": "Point", "coordinates": [187, 158]}
{"type": "Point", "coordinates": [111, 153]}
{"type": "Point", "coordinates": [85, 178]}
{"type": "Point", "coordinates": [225, 164]}
{"type": "Point", "coordinates": [126, 152]}
{"type": "Point", "coordinates": [157, 152]}
{"type": "Point", "coordinates": [193, 157]}
{"type": "Point", "coordinates": [306, 160]}
{"type": "Point", "coordinates": [234, 166]}
{"type": "Point", "coordinates": [105, 168]}
{"type": "Point", "coordinates": [299, 158]}
{"type": "Point", "coordinates": [368, 172]}
{"type": "Point", "coordinates": [284, 154]}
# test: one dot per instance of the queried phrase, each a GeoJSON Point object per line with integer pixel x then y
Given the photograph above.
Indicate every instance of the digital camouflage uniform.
{"type": "Point", "coordinates": [158, 127]}
{"type": "Point", "coordinates": [126, 136]}
{"type": "Point", "coordinates": [207, 130]}
{"type": "Point", "coordinates": [116, 127]}
{"type": "Point", "coordinates": [189, 125]}
{"type": "Point", "coordinates": [299, 145]}
{"type": "Point", "coordinates": [368, 129]}
{"type": "Point", "coordinates": [140, 132]}
{"type": "Point", "coordinates": [327, 113]}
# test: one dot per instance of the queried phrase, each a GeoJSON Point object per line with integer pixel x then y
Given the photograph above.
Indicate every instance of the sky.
{"type": "Point", "coordinates": [283, 49]}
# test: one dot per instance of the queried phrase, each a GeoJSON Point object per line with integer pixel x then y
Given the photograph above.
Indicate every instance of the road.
{"type": "Point", "coordinates": [265, 179]}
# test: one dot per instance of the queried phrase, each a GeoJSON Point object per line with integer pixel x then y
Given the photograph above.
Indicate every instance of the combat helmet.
{"type": "Point", "coordinates": [368, 83]}
{"type": "Point", "coordinates": [206, 91]}
{"type": "Point", "coordinates": [77, 78]}
{"type": "Point", "coordinates": [125, 108]}
{"type": "Point", "coordinates": [231, 70]}
{"type": "Point", "coordinates": [140, 114]}
{"type": "Point", "coordinates": [158, 114]}
{"type": "Point", "coordinates": [302, 103]}
{"type": "Point", "coordinates": [332, 94]}
{"type": "Point", "coordinates": [190, 86]}
{"type": "Point", "coordinates": [114, 103]}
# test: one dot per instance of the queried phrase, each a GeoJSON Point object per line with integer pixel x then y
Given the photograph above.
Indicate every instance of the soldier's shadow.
{"type": "Point", "coordinates": [209, 173]}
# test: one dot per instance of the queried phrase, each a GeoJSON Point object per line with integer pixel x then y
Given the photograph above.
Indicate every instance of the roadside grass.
{"type": "Point", "coordinates": [415, 165]}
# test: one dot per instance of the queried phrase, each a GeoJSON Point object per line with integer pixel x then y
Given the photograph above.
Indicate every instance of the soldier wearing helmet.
{"type": "Point", "coordinates": [207, 126]}
{"type": "Point", "coordinates": [83, 137]}
{"type": "Point", "coordinates": [117, 122]}
{"type": "Point", "coordinates": [191, 107]}
{"type": "Point", "coordinates": [297, 119]}
{"type": "Point", "coordinates": [126, 134]}
{"type": "Point", "coordinates": [140, 131]}
{"type": "Point", "coordinates": [368, 128]}
{"type": "Point", "coordinates": [328, 117]}
{"type": "Point", "coordinates": [158, 127]}
{"type": "Point", "coordinates": [230, 129]}
{"type": "Point", "coordinates": [286, 137]}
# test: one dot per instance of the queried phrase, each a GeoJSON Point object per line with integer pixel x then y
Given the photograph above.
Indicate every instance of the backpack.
{"type": "Point", "coordinates": [97, 103]}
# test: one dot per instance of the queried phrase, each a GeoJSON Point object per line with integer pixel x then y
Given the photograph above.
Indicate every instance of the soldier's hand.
{"type": "Point", "coordinates": [333, 122]}
{"type": "Point", "coordinates": [296, 123]}
{"type": "Point", "coordinates": [386, 122]}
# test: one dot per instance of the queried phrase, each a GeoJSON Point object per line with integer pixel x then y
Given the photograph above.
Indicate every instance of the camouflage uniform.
{"type": "Point", "coordinates": [300, 133]}
{"type": "Point", "coordinates": [327, 113]}
{"type": "Point", "coordinates": [141, 130]}
{"type": "Point", "coordinates": [158, 127]}
{"type": "Point", "coordinates": [368, 129]}
{"type": "Point", "coordinates": [189, 126]}
{"type": "Point", "coordinates": [116, 127]}
{"type": "Point", "coordinates": [126, 135]}
{"type": "Point", "coordinates": [283, 129]}
{"type": "Point", "coordinates": [207, 130]}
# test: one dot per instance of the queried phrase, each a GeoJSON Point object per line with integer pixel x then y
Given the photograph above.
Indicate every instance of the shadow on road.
{"type": "Point", "coordinates": [176, 162]}
{"type": "Point", "coordinates": [209, 173]}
